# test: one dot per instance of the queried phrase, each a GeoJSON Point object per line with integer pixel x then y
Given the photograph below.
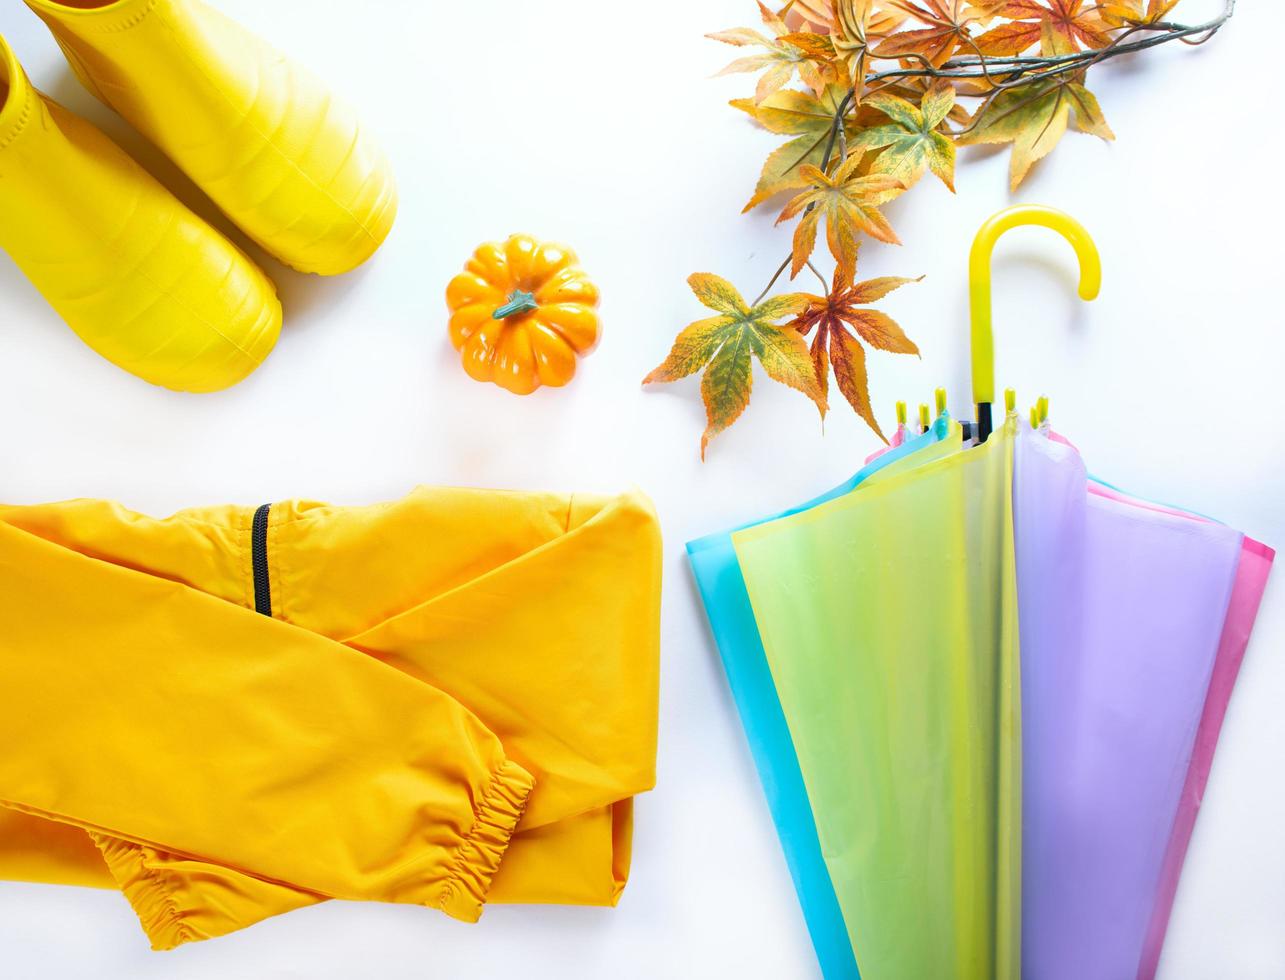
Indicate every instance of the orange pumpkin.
{"type": "Point", "coordinates": [522, 312]}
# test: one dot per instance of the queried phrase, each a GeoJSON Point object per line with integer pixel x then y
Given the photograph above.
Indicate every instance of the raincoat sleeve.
{"type": "Point", "coordinates": [572, 694]}
{"type": "Point", "coordinates": [218, 757]}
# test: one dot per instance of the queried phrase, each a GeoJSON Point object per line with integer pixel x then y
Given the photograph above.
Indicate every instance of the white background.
{"type": "Point", "coordinates": [596, 123]}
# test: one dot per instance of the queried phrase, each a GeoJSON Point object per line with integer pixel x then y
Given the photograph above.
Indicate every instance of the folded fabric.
{"type": "Point", "coordinates": [727, 605]}
{"type": "Point", "coordinates": [1122, 613]}
{"type": "Point", "coordinates": [1252, 572]}
{"type": "Point", "coordinates": [1247, 594]}
{"type": "Point", "coordinates": [889, 622]}
{"type": "Point", "coordinates": [376, 736]}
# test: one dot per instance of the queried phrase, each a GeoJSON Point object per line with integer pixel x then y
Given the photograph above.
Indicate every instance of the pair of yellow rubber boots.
{"type": "Point", "coordinates": [144, 281]}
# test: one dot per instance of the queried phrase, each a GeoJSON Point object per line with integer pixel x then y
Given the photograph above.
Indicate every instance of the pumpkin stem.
{"type": "Point", "coordinates": [519, 302]}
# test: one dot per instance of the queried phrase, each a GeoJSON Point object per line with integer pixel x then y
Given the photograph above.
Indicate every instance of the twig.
{"type": "Point", "coordinates": [835, 125]}
{"type": "Point", "coordinates": [775, 276]}
{"type": "Point", "coordinates": [1018, 79]}
{"type": "Point", "coordinates": [825, 286]}
{"type": "Point", "coordinates": [1035, 67]}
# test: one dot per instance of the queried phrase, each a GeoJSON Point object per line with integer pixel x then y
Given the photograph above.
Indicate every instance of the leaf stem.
{"type": "Point", "coordinates": [825, 286]}
{"type": "Point", "coordinates": [775, 276]}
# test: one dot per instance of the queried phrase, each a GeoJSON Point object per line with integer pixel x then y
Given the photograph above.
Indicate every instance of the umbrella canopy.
{"type": "Point", "coordinates": [889, 621]}
{"type": "Point", "coordinates": [722, 588]}
{"type": "Point", "coordinates": [1250, 580]}
{"type": "Point", "coordinates": [1122, 611]}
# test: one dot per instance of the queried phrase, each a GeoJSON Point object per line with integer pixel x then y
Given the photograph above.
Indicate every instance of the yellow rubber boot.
{"type": "Point", "coordinates": [143, 280]}
{"type": "Point", "coordinates": [265, 140]}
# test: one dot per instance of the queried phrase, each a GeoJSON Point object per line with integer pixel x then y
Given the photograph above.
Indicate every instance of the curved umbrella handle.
{"type": "Point", "coordinates": [982, 336]}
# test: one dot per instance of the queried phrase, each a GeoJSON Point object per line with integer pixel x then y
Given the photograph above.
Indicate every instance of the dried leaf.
{"type": "Point", "coordinates": [819, 16]}
{"type": "Point", "coordinates": [947, 27]}
{"type": "Point", "coordinates": [728, 344]}
{"type": "Point", "coordinates": [717, 293]}
{"type": "Point", "coordinates": [780, 59]}
{"type": "Point", "coordinates": [1126, 13]}
{"type": "Point", "coordinates": [913, 90]}
{"type": "Point", "coordinates": [820, 351]}
{"type": "Point", "coordinates": [810, 15]}
{"type": "Point", "coordinates": [884, 21]}
{"type": "Point", "coordinates": [833, 316]}
{"type": "Point", "coordinates": [816, 46]}
{"type": "Point", "coordinates": [881, 332]}
{"type": "Point", "coordinates": [911, 143]}
{"type": "Point", "coordinates": [875, 289]}
{"type": "Point", "coordinates": [693, 347]}
{"type": "Point", "coordinates": [789, 113]}
{"type": "Point", "coordinates": [725, 386]}
{"type": "Point", "coordinates": [1079, 25]}
{"type": "Point", "coordinates": [849, 360]}
{"type": "Point", "coordinates": [851, 38]}
{"type": "Point", "coordinates": [849, 205]}
{"type": "Point", "coordinates": [1034, 117]}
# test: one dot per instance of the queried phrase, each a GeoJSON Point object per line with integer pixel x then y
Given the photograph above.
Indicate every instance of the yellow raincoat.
{"type": "Point", "coordinates": [377, 735]}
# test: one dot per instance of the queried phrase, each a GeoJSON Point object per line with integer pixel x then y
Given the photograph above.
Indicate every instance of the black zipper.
{"type": "Point", "coordinates": [259, 560]}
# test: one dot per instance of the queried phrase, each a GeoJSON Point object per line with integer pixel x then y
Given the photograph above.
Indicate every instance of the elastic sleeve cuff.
{"type": "Point", "coordinates": [478, 856]}
{"type": "Point", "coordinates": [149, 890]}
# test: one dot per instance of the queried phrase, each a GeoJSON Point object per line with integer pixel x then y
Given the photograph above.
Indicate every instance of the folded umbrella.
{"type": "Point", "coordinates": [889, 621]}
{"type": "Point", "coordinates": [871, 641]}
{"type": "Point", "coordinates": [731, 618]}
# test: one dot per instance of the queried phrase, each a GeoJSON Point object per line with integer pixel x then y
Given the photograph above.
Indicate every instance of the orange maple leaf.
{"type": "Point", "coordinates": [1075, 24]}
{"type": "Point", "coordinates": [947, 27]}
{"type": "Point", "coordinates": [849, 203]}
{"type": "Point", "coordinates": [839, 319]}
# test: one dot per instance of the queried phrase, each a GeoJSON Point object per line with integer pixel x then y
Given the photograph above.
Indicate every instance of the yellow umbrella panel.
{"type": "Point", "coordinates": [889, 620]}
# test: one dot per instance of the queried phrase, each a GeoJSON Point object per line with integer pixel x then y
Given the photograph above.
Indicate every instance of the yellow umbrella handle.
{"type": "Point", "coordinates": [982, 332]}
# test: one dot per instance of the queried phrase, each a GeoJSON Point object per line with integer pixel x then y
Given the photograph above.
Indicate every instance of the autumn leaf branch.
{"type": "Point", "coordinates": [861, 135]}
{"type": "Point", "coordinates": [1019, 70]}
{"type": "Point", "coordinates": [1024, 70]}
